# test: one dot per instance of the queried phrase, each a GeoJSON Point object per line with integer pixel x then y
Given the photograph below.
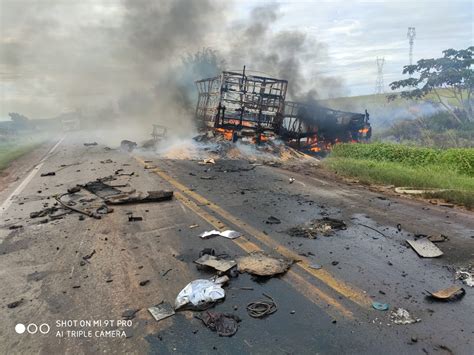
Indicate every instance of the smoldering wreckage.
{"type": "Point", "coordinates": [238, 107]}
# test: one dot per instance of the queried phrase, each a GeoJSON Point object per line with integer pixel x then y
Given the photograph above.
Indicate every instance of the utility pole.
{"type": "Point", "coordinates": [379, 86]}
{"type": "Point", "coordinates": [411, 34]}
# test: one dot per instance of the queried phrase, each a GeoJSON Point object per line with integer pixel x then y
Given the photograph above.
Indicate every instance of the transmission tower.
{"type": "Point", "coordinates": [379, 86]}
{"type": "Point", "coordinates": [411, 34]}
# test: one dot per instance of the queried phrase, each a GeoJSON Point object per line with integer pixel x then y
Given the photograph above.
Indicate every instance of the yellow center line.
{"type": "Point", "coordinates": [349, 291]}
{"type": "Point", "coordinates": [310, 291]}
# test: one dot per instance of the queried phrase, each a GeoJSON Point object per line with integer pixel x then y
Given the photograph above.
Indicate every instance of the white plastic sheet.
{"type": "Point", "coordinates": [198, 293]}
{"type": "Point", "coordinates": [229, 234]}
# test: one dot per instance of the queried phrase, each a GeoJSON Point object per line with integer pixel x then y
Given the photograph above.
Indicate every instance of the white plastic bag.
{"type": "Point", "coordinates": [199, 293]}
{"type": "Point", "coordinates": [229, 234]}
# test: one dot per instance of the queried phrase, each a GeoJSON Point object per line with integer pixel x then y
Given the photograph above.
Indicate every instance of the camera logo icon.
{"type": "Point", "coordinates": [32, 328]}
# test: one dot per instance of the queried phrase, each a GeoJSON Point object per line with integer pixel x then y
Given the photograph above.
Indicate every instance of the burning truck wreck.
{"type": "Point", "coordinates": [244, 106]}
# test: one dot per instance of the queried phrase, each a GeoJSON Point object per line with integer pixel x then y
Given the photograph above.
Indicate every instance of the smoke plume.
{"type": "Point", "coordinates": [134, 62]}
{"type": "Point", "coordinates": [287, 54]}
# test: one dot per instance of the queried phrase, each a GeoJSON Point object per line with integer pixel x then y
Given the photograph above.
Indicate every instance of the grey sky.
{"type": "Point", "coordinates": [59, 55]}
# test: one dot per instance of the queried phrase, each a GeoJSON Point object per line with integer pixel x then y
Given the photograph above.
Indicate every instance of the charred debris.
{"type": "Point", "coordinates": [242, 106]}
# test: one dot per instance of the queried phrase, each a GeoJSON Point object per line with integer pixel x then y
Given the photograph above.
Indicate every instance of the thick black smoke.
{"type": "Point", "coordinates": [135, 61]}
{"type": "Point", "coordinates": [291, 55]}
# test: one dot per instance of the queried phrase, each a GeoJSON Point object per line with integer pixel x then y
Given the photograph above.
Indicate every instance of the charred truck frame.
{"type": "Point", "coordinates": [240, 105]}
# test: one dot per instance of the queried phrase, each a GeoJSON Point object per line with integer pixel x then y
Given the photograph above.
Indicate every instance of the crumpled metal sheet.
{"type": "Point", "coordinates": [216, 263]}
{"type": "Point", "coordinates": [425, 248]}
{"type": "Point", "coordinates": [161, 311]}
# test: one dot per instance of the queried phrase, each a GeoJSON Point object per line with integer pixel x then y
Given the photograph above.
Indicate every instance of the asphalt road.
{"type": "Point", "coordinates": [326, 311]}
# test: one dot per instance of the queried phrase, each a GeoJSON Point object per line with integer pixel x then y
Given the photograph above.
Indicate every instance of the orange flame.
{"type": "Point", "coordinates": [227, 133]}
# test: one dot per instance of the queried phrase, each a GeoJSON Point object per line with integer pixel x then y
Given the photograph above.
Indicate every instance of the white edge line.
{"type": "Point", "coordinates": [7, 203]}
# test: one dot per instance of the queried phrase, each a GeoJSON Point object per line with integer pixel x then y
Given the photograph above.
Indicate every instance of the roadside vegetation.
{"type": "Point", "coordinates": [450, 170]}
{"type": "Point", "coordinates": [432, 149]}
{"type": "Point", "coordinates": [14, 149]}
{"type": "Point", "coordinates": [433, 107]}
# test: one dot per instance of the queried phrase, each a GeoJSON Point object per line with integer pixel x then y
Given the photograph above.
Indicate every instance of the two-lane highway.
{"type": "Point", "coordinates": [326, 310]}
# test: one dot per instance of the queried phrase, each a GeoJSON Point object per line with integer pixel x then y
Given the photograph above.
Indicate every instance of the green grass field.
{"type": "Point", "coordinates": [12, 150]}
{"type": "Point", "coordinates": [422, 168]}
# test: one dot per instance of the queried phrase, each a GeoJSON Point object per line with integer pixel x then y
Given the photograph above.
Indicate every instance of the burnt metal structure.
{"type": "Point", "coordinates": [237, 104]}
{"type": "Point", "coordinates": [321, 124]}
{"type": "Point", "coordinates": [234, 101]}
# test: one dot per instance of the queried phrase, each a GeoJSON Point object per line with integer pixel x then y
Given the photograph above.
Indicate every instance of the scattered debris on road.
{"type": "Point", "coordinates": [15, 304]}
{"type": "Point", "coordinates": [229, 234]}
{"type": "Point", "coordinates": [88, 256]}
{"type": "Point", "coordinates": [207, 177]}
{"type": "Point", "coordinates": [272, 220]}
{"type": "Point", "coordinates": [399, 228]}
{"type": "Point", "coordinates": [208, 251]}
{"type": "Point", "coordinates": [50, 173]}
{"type": "Point", "coordinates": [439, 238]}
{"type": "Point", "coordinates": [380, 306]}
{"type": "Point", "coordinates": [129, 314]}
{"type": "Point", "coordinates": [207, 161]}
{"type": "Point", "coordinates": [152, 196]}
{"type": "Point", "coordinates": [101, 189]}
{"type": "Point", "coordinates": [200, 294]}
{"type": "Point", "coordinates": [262, 308]}
{"type": "Point", "coordinates": [291, 180]}
{"type": "Point", "coordinates": [133, 218]}
{"type": "Point", "coordinates": [84, 212]}
{"type": "Point", "coordinates": [74, 189]}
{"type": "Point", "coordinates": [52, 212]}
{"type": "Point", "coordinates": [448, 294]}
{"type": "Point", "coordinates": [211, 261]}
{"type": "Point", "coordinates": [144, 282]}
{"type": "Point", "coordinates": [260, 264]}
{"type": "Point", "coordinates": [324, 226]}
{"type": "Point", "coordinates": [466, 276]}
{"type": "Point", "coordinates": [425, 248]}
{"type": "Point", "coordinates": [225, 324]}
{"type": "Point", "coordinates": [161, 311]}
{"type": "Point", "coordinates": [15, 226]}
{"type": "Point", "coordinates": [127, 145]}
{"type": "Point", "coordinates": [402, 316]}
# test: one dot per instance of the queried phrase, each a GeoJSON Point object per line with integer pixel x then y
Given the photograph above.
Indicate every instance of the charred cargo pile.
{"type": "Point", "coordinates": [238, 105]}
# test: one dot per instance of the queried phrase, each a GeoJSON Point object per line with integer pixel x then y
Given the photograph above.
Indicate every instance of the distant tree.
{"type": "Point", "coordinates": [180, 82]}
{"type": "Point", "coordinates": [447, 78]}
{"type": "Point", "coordinates": [204, 63]}
{"type": "Point", "coordinates": [19, 121]}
